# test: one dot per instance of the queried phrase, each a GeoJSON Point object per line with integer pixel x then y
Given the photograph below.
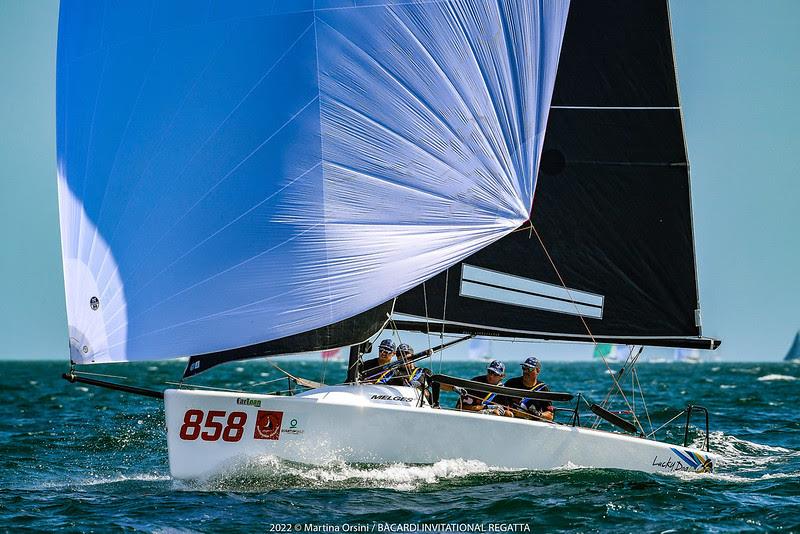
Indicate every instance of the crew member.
{"type": "Point", "coordinates": [407, 374]}
{"type": "Point", "coordinates": [479, 401]}
{"type": "Point", "coordinates": [375, 370]}
{"type": "Point", "coordinates": [539, 409]}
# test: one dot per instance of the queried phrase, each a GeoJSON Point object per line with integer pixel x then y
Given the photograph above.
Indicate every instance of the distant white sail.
{"type": "Point", "coordinates": [610, 352]}
{"type": "Point", "coordinates": [687, 355]}
{"type": "Point", "coordinates": [479, 349]}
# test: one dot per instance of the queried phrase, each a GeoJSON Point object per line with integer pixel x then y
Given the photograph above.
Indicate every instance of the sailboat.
{"type": "Point", "coordinates": [264, 178]}
{"type": "Point", "coordinates": [687, 355]}
{"type": "Point", "coordinates": [610, 352]}
{"type": "Point", "coordinates": [332, 355]}
{"type": "Point", "coordinates": [794, 351]}
{"type": "Point", "coordinates": [480, 350]}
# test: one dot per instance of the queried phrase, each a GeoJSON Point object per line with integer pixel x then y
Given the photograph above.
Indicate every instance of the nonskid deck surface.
{"type": "Point", "coordinates": [209, 431]}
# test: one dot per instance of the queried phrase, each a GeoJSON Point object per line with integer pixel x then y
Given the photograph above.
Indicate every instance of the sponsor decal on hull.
{"type": "Point", "coordinates": [684, 461]}
{"type": "Point", "coordinates": [292, 428]}
{"type": "Point", "coordinates": [244, 401]}
{"type": "Point", "coordinates": [391, 398]}
{"type": "Point", "coordinates": [268, 425]}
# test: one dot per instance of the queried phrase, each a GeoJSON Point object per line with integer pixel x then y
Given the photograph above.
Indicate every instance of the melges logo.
{"type": "Point", "coordinates": [391, 398]}
{"type": "Point", "coordinates": [268, 425]}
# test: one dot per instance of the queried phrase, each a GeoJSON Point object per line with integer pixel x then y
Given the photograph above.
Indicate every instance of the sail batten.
{"type": "Point", "coordinates": [278, 171]}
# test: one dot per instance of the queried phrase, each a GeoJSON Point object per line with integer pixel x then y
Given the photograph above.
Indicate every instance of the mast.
{"type": "Point", "coordinates": [354, 364]}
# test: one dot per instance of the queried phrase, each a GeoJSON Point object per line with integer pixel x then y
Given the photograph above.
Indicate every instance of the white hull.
{"type": "Point", "coordinates": [383, 424]}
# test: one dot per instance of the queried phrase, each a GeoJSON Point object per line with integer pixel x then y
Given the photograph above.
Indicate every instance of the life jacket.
{"type": "Point", "coordinates": [385, 376]}
{"type": "Point", "coordinates": [538, 386]}
{"type": "Point", "coordinates": [488, 398]}
{"type": "Point", "coordinates": [417, 374]}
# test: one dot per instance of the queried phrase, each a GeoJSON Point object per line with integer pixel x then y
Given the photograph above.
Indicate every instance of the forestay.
{"type": "Point", "coordinates": [233, 173]}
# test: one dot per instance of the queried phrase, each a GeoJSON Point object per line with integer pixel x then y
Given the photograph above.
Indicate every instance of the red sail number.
{"type": "Point", "coordinates": [213, 429]}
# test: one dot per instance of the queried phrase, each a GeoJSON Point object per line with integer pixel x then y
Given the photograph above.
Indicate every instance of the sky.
{"type": "Point", "coordinates": [739, 74]}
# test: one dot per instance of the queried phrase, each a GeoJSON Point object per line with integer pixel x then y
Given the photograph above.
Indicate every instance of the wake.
{"type": "Point", "coordinates": [269, 472]}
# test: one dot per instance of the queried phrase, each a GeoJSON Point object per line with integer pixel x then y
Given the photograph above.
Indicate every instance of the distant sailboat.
{"type": "Point", "coordinates": [794, 350]}
{"type": "Point", "coordinates": [332, 355]}
{"type": "Point", "coordinates": [480, 349]}
{"type": "Point", "coordinates": [687, 355]}
{"type": "Point", "coordinates": [611, 352]}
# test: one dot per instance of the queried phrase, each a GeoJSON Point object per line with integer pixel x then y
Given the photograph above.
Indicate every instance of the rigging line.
{"type": "Point", "coordinates": [86, 373]}
{"type": "Point", "coordinates": [197, 386]}
{"type": "Point", "coordinates": [287, 374]}
{"type": "Point", "coordinates": [653, 433]}
{"type": "Point", "coordinates": [396, 331]}
{"type": "Point", "coordinates": [524, 227]}
{"type": "Point", "coordinates": [279, 379]}
{"type": "Point", "coordinates": [569, 293]}
{"type": "Point", "coordinates": [635, 373]}
{"type": "Point", "coordinates": [444, 314]}
{"type": "Point", "coordinates": [628, 365]}
{"type": "Point", "coordinates": [324, 368]}
{"type": "Point", "coordinates": [621, 372]}
{"type": "Point", "coordinates": [629, 362]}
{"type": "Point", "coordinates": [585, 325]}
{"type": "Point", "coordinates": [427, 321]}
{"type": "Point", "coordinates": [633, 393]}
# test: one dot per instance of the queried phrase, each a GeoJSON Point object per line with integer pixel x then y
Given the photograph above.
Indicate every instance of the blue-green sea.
{"type": "Point", "coordinates": [90, 460]}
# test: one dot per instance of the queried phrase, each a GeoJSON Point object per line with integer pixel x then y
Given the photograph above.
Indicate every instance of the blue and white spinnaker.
{"type": "Point", "coordinates": [236, 172]}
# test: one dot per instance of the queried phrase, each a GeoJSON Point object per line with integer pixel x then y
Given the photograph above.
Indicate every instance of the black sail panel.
{"type": "Point", "coordinates": [350, 331]}
{"type": "Point", "coordinates": [612, 205]}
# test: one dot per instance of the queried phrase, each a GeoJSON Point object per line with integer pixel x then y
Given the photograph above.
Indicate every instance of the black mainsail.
{"type": "Point", "coordinates": [612, 208]}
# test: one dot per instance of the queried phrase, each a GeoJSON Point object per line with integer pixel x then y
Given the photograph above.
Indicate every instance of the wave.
{"type": "Point", "coordinates": [269, 472]}
{"type": "Point", "coordinates": [731, 477]}
{"type": "Point", "coordinates": [740, 455]}
{"type": "Point", "coordinates": [770, 378]}
{"type": "Point", "coordinates": [100, 480]}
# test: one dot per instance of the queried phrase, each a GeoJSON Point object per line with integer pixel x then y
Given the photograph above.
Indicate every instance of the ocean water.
{"type": "Point", "coordinates": [87, 459]}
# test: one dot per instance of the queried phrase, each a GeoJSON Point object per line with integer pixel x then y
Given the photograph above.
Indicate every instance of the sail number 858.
{"type": "Point", "coordinates": [209, 426]}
